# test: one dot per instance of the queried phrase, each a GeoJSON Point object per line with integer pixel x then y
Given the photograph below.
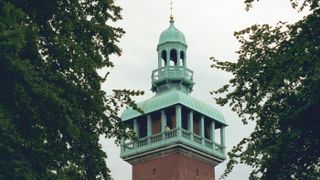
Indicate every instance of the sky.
{"type": "Point", "coordinates": [208, 26]}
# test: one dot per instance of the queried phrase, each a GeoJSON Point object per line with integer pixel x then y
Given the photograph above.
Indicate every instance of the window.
{"type": "Point", "coordinates": [164, 56]}
{"type": "Point", "coordinates": [207, 128]}
{"type": "Point", "coordinates": [171, 117]}
{"type": "Point", "coordinates": [182, 58]}
{"type": "Point", "coordinates": [173, 57]}
{"type": "Point", "coordinates": [184, 117]}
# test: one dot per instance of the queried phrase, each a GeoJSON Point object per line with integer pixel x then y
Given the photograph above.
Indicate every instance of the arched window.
{"type": "Point", "coordinates": [182, 58]}
{"type": "Point", "coordinates": [173, 57]}
{"type": "Point", "coordinates": [164, 57]}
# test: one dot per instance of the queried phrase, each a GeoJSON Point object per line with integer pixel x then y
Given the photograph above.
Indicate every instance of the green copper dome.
{"type": "Point", "coordinates": [172, 34]}
{"type": "Point", "coordinates": [170, 98]}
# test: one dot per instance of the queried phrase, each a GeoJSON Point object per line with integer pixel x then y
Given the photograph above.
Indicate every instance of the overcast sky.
{"type": "Point", "coordinates": [208, 26]}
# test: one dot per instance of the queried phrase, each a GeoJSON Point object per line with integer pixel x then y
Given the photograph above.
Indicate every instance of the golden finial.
{"type": "Point", "coordinates": [171, 7]}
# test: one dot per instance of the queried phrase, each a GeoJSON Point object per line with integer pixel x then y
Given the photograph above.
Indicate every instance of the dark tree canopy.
{"type": "Point", "coordinates": [277, 84]}
{"type": "Point", "coordinates": [52, 108]}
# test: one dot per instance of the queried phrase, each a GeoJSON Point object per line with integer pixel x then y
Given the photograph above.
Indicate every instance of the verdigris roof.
{"type": "Point", "coordinates": [172, 34]}
{"type": "Point", "coordinates": [173, 97]}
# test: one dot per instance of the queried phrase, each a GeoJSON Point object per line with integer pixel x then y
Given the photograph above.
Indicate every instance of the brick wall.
{"type": "Point", "coordinates": [156, 126]}
{"type": "Point", "coordinates": [175, 166]}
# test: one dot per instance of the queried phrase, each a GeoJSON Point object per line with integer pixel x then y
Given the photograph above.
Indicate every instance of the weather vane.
{"type": "Point", "coordinates": [171, 7]}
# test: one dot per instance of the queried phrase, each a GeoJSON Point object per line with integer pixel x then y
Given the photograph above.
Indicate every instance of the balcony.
{"type": "Point", "coordinates": [172, 73]}
{"type": "Point", "coordinates": [174, 136]}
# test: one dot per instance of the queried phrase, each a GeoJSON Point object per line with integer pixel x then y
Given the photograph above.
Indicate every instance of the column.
{"type": "Point", "coordinates": [149, 125]}
{"type": "Point", "coordinates": [163, 123]}
{"type": "Point", "coordinates": [136, 127]}
{"type": "Point", "coordinates": [159, 59]}
{"type": "Point", "coordinates": [149, 128]}
{"type": "Point", "coordinates": [212, 134]}
{"type": "Point", "coordinates": [190, 123]}
{"type": "Point", "coordinates": [168, 57]}
{"type": "Point", "coordinates": [202, 129]}
{"type": "Point", "coordinates": [185, 59]}
{"type": "Point", "coordinates": [136, 130]}
{"type": "Point", "coordinates": [222, 136]}
{"type": "Point", "coordinates": [178, 119]}
{"type": "Point", "coordinates": [178, 57]}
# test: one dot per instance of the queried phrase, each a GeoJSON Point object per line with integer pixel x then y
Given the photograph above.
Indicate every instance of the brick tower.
{"type": "Point", "coordinates": [176, 134]}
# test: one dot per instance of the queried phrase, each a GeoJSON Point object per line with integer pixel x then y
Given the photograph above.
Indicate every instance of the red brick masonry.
{"type": "Point", "coordinates": [175, 166]}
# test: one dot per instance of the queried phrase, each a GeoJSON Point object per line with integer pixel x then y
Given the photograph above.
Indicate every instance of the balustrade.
{"type": "Point", "coordinates": [171, 133]}
{"type": "Point", "coordinates": [186, 134]}
{"type": "Point", "coordinates": [142, 142]}
{"type": "Point", "coordinates": [156, 138]}
{"type": "Point", "coordinates": [161, 138]}
{"type": "Point", "coordinates": [208, 143]}
{"type": "Point", "coordinates": [219, 148]}
{"type": "Point", "coordinates": [172, 72]}
{"type": "Point", "coordinates": [197, 139]}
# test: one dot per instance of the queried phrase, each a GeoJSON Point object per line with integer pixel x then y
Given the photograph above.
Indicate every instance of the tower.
{"type": "Point", "coordinates": [176, 134]}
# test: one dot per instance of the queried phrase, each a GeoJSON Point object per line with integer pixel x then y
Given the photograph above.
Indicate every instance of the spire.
{"type": "Point", "coordinates": [171, 9]}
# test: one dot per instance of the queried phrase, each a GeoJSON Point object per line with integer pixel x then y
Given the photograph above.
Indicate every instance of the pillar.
{"type": "Point", "coordinates": [222, 136]}
{"type": "Point", "coordinates": [136, 127]}
{"type": "Point", "coordinates": [212, 134]}
{"type": "Point", "coordinates": [202, 129]}
{"type": "Point", "coordinates": [149, 125]}
{"type": "Point", "coordinates": [163, 123]}
{"type": "Point", "coordinates": [136, 130]}
{"type": "Point", "coordinates": [168, 57]}
{"type": "Point", "coordinates": [149, 128]}
{"type": "Point", "coordinates": [178, 57]}
{"type": "Point", "coordinates": [178, 119]}
{"type": "Point", "coordinates": [159, 59]}
{"type": "Point", "coordinates": [185, 59]}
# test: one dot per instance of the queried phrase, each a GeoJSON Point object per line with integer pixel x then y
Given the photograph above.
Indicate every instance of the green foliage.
{"type": "Point", "coordinates": [277, 84]}
{"type": "Point", "coordinates": [52, 108]}
{"type": "Point", "coordinates": [300, 4]}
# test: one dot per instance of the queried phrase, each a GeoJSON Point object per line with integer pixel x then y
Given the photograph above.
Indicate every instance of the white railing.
{"type": "Point", "coordinates": [127, 146]}
{"type": "Point", "coordinates": [156, 138]}
{"type": "Point", "coordinates": [171, 133]}
{"type": "Point", "coordinates": [161, 138]}
{"type": "Point", "coordinates": [142, 142]}
{"type": "Point", "coordinates": [185, 133]}
{"type": "Point", "coordinates": [172, 72]}
{"type": "Point", "coordinates": [208, 143]}
{"type": "Point", "coordinates": [219, 148]}
{"type": "Point", "coordinates": [197, 139]}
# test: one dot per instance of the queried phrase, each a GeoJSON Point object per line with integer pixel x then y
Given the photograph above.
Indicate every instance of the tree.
{"type": "Point", "coordinates": [276, 83]}
{"type": "Point", "coordinates": [52, 108]}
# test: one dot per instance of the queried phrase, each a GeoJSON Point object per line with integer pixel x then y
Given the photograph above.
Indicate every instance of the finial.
{"type": "Point", "coordinates": [171, 7]}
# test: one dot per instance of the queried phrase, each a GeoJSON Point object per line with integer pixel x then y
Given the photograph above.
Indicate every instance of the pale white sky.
{"type": "Point", "coordinates": [208, 26]}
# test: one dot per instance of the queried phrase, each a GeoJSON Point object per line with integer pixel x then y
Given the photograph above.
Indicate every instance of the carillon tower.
{"type": "Point", "coordinates": [178, 136]}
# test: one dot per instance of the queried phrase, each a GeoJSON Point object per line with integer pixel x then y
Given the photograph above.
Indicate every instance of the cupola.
{"type": "Point", "coordinates": [172, 35]}
{"type": "Point", "coordinates": [172, 71]}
